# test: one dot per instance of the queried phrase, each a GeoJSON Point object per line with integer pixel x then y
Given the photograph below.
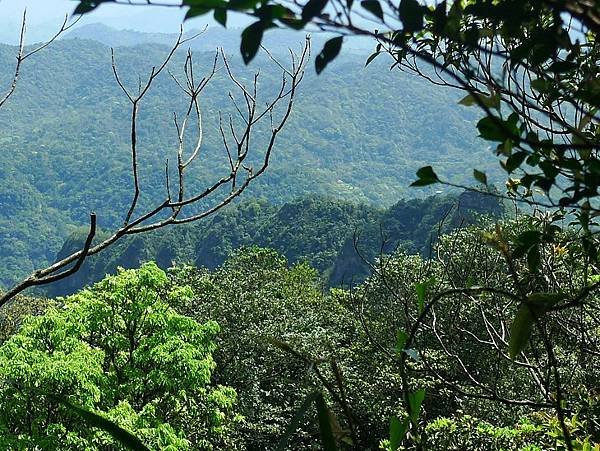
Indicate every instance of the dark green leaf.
{"type": "Point", "coordinates": [529, 237]}
{"type": "Point", "coordinates": [371, 58]}
{"type": "Point", "coordinates": [220, 16]}
{"type": "Point", "coordinates": [86, 6]}
{"type": "Point", "coordinates": [195, 11]}
{"type": "Point", "coordinates": [411, 14]}
{"type": "Point", "coordinates": [206, 4]}
{"type": "Point", "coordinates": [239, 5]}
{"type": "Point", "coordinates": [325, 426]}
{"type": "Point", "coordinates": [331, 49]}
{"type": "Point", "coordinates": [589, 91]}
{"type": "Point", "coordinates": [541, 85]}
{"type": "Point", "coordinates": [251, 39]}
{"type": "Point", "coordinates": [524, 242]}
{"type": "Point", "coordinates": [519, 251]}
{"type": "Point", "coordinates": [421, 289]}
{"type": "Point", "coordinates": [312, 9]}
{"type": "Point", "coordinates": [533, 258]}
{"type": "Point", "coordinates": [439, 17]}
{"type": "Point", "coordinates": [480, 176]}
{"type": "Point", "coordinates": [514, 161]}
{"type": "Point", "coordinates": [293, 23]}
{"type": "Point", "coordinates": [545, 300]}
{"type": "Point", "coordinates": [544, 183]}
{"type": "Point", "coordinates": [590, 248]}
{"type": "Point", "coordinates": [520, 330]}
{"type": "Point", "coordinates": [296, 420]}
{"type": "Point", "coordinates": [491, 129]}
{"type": "Point", "coordinates": [268, 13]}
{"type": "Point", "coordinates": [425, 176]}
{"type": "Point", "coordinates": [471, 36]}
{"type": "Point", "coordinates": [562, 66]}
{"type": "Point", "coordinates": [373, 7]}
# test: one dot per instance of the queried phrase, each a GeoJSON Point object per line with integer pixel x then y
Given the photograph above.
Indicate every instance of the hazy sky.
{"type": "Point", "coordinates": [44, 16]}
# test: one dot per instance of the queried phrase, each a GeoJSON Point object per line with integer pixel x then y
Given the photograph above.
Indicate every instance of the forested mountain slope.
{"type": "Point", "coordinates": [319, 231]}
{"type": "Point", "coordinates": [355, 134]}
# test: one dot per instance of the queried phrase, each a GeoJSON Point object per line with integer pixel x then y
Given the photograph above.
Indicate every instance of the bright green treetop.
{"type": "Point", "coordinates": [121, 350]}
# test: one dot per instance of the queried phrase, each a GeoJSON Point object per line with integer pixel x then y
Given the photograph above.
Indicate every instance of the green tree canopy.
{"type": "Point", "coordinates": [120, 350]}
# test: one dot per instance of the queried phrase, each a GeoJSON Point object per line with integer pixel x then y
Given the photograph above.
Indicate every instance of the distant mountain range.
{"type": "Point", "coordinates": [211, 38]}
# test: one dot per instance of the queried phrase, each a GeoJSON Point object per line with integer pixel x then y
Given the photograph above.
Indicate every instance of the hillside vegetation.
{"type": "Point", "coordinates": [339, 239]}
{"type": "Point", "coordinates": [228, 358]}
{"type": "Point", "coordinates": [391, 282]}
{"type": "Point", "coordinates": [356, 134]}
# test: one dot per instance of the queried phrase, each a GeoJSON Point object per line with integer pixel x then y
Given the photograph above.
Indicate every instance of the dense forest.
{"type": "Point", "coordinates": [224, 358]}
{"type": "Point", "coordinates": [384, 237]}
{"type": "Point", "coordinates": [68, 127]}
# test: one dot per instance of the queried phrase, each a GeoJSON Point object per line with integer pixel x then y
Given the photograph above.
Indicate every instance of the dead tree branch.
{"type": "Point", "coordinates": [214, 197]}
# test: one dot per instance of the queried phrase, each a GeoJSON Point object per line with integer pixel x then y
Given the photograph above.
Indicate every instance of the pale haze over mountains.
{"type": "Point", "coordinates": [44, 16]}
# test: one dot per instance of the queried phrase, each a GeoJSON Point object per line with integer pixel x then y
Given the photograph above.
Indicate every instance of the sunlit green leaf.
{"type": "Point", "coordinates": [415, 400]}
{"type": "Point", "coordinates": [123, 436]}
{"type": "Point", "coordinates": [473, 98]}
{"type": "Point", "coordinates": [520, 330]}
{"type": "Point", "coordinates": [398, 431]}
{"type": "Point", "coordinates": [401, 338]}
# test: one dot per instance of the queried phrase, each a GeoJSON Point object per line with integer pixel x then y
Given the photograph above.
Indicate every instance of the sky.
{"type": "Point", "coordinates": [44, 17]}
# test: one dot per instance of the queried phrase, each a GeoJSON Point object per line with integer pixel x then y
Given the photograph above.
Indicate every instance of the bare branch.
{"type": "Point", "coordinates": [155, 218]}
{"type": "Point", "coordinates": [22, 55]}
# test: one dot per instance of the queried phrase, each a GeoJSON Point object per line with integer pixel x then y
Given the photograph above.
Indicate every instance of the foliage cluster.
{"type": "Point", "coordinates": [283, 339]}
{"type": "Point", "coordinates": [120, 350]}
{"type": "Point", "coordinates": [503, 322]}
